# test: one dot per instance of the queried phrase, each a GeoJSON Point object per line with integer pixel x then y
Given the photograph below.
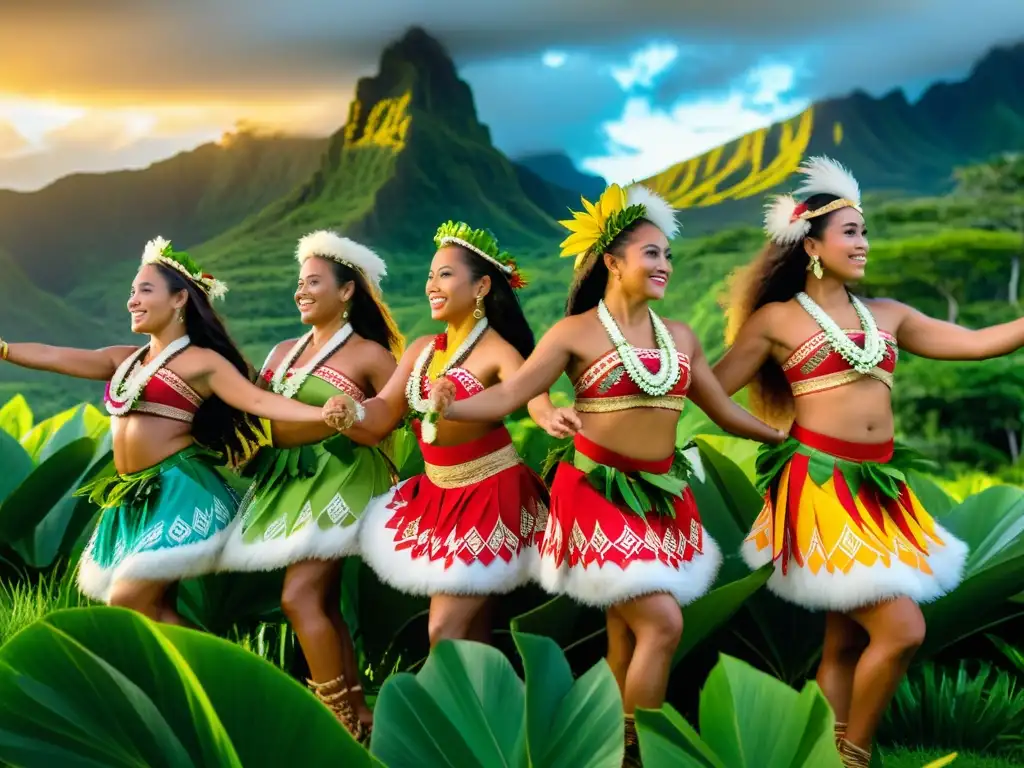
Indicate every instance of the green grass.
{"type": "Point", "coordinates": [22, 602]}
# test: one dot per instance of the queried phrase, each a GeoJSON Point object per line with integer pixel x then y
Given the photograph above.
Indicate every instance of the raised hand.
{"type": "Point", "coordinates": [561, 422]}
{"type": "Point", "coordinates": [442, 395]}
{"type": "Point", "coordinates": [341, 412]}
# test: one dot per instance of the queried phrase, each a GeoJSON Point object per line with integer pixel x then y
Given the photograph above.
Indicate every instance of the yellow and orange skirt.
{"type": "Point", "coordinates": [844, 529]}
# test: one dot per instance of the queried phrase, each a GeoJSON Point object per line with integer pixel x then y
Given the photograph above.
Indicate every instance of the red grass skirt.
{"type": "Point", "coordinates": [838, 541]}
{"type": "Point", "coordinates": [601, 553]}
{"type": "Point", "coordinates": [470, 525]}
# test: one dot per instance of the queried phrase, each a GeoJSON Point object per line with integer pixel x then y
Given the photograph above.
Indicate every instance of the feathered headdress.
{"type": "Point", "coordinates": [329, 245]}
{"type": "Point", "coordinates": [594, 228]}
{"type": "Point", "coordinates": [159, 251]}
{"type": "Point", "coordinates": [483, 244]}
{"type": "Point", "coordinates": [787, 222]}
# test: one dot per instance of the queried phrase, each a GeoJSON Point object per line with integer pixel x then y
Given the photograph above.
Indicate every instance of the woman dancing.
{"type": "Point", "coordinates": [846, 533]}
{"type": "Point", "coordinates": [302, 508]}
{"type": "Point", "coordinates": [466, 528]}
{"type": "Point", "coordinates": [624, 532]}
{"type": "Point", "coordinates": [178, 405]}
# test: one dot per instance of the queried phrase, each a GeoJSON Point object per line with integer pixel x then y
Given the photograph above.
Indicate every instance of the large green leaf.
{"type": "Point", "coordinates": [562, 619]}
{"type": "Point", "coordinates": [464, 708]}
{"type": "Point", "coordinates": [35, 440]}
{"type": "Point", "coordinates": [37, 494]}
{"type": "Point", "coordinates": [107, 687]}
{"type": "Point", "coordinates": [748, 719]}
{"type": "Point", "coordinates": [16, 465]}
{"type": "Point", "coordinates": [707, 614]}
{"type": "Point", "coordinates": [569, 724]}
{"type": "Point", "coordinates": [991, 523]}
{"type": "Point", "coordinates": [16, 417]}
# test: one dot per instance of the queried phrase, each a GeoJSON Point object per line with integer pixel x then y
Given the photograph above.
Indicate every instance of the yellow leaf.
{"type": "Point", "coordinates": [942, 761]}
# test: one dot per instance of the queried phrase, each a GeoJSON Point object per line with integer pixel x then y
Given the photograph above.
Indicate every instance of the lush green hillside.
{"type": "Point", "coordinates": [63, 234]}
{"type": "Point", "coordinates": [896, 148]}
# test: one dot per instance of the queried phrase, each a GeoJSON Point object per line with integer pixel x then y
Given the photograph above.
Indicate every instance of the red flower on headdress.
{"type": "Point", "coordinates": [517, 281]}
{"type": "Point", "coordinates": [798, 212]}
{"type": "Point", "coordinates": [441, 342]}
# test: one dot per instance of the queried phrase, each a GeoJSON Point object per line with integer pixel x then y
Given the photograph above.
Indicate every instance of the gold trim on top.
{"type": "Point", "coordinates": [475, 471]}
{"type": "Point", "coordinates": [833, 380]}
{"type": "Point", "coordinates": [625, 402]}
{"type": "Point", "coordinates": [167, 411]}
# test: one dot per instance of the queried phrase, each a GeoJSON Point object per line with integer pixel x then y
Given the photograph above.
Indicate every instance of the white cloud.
{"type": "Point", "coordinates": [554, 59]}
{"type": "Point", "coordinates": [645, 65]}
{"type": "Point", "coordinates": [647, 139]}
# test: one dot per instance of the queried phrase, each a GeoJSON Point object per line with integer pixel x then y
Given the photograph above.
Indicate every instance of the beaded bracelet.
{"type": "Point", "coordinates": [4, 349]}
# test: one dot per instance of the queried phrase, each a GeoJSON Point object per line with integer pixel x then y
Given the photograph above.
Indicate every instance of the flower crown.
{"type": "Point", "coordinates": [787, 222]}
{"type": "Point", "coordinates": [482, 243]}
{"type": "Point", "coordinates": [329, 245]}
{"type": "Point", "coordinates": [159, 251]}
{"type": "Point", "coordinates": [594, 228]}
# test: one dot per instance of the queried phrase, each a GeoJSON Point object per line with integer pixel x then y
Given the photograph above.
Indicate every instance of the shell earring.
{"type": "Point", "coordinates": [815, 266]}
{"type": "Point", "coordinates": [181, 316]}
{"type": "Point", "coordinates": [478, 313]}
{"type": "Point", "coordinates": [344, 315]}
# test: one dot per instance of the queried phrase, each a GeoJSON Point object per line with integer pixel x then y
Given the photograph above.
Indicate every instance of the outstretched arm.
{"type": "Point", "coordinates": [94, 364]}
{"type": "Point", "coordinates": [747, 354]}
{"type": "Point", "coordinates": [936, 339]}
{"type": "Point", "coordinates": [536, 375]}
{"type": "Point", "coordinates": [238, 392]}
{"type": "Point", "coordinates": [707, 394]}
{"type": "Point", "coordinates": [557, 422]}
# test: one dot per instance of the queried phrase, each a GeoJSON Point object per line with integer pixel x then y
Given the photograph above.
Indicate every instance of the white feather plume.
{"type": "Point", "coordinates": [330, 245]}
{"type": "Point", "coordinates": [823, 175]}
{"type": "Point", "coordinates": [154, 249]}
{"type": "Point", "coordinates": [658, 211]}
{"type": "Point", "coordinates": [779, 222]}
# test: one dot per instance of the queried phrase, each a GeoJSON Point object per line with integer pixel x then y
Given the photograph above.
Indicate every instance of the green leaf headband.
{"type": "Point", "coordinates": [159, 251]}
{"type": "Point", "coordinates": [482, 243]}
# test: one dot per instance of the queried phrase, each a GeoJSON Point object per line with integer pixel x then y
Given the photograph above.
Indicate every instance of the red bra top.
{"type": "Point", "coordinates": [466, 384]}
{"type": "Point", "coordinates": [605, 386]}
{"type": "Point", "coordinates": [816, 367]}
{"type": "Point", "coordinates": [336, 379]}
{"type": "Point", "coordinates": [166, 395]}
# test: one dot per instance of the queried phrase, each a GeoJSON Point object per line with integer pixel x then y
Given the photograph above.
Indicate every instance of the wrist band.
{"type": "Point", "coordinates": [4, 349]}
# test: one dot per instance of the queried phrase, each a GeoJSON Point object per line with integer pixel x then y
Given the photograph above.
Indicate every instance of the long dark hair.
{"type": "Point", "coordinates": [777, 274]}
{"type": "Point", "coordinates": [591, 279]}
{"type": "Point", "coordinates": [216, 425]}
{"type": "Point", "coordinates": [501, 305]}
{"type": "Point", "coordinates": [368, 314]}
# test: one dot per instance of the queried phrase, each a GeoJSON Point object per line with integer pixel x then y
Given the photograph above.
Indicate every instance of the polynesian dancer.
{"type": "Point", "coordinates": [178, 406]}
{"type": "Point", "coordinates": [846, 533]}
{"type": "Point", "coordinates": [467, 528]}
{"type": "Point", "coordinates": [307, 496]}
{"type": "Point", "coordinates": [624, 532]}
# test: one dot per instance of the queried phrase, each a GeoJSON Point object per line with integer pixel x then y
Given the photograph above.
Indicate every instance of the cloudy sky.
{"type": "Point", "coordinates": [626, 88]}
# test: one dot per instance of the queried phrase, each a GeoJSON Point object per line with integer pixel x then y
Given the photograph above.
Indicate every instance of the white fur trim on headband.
{"type": "Point", "coordinates": [823, 175]}
{"type": "Point", "coordinates": [329, 245]}
{"type": "Point", "coordinates": [658, 211]}
{"type": "Point", "coordinates": [780, 224]}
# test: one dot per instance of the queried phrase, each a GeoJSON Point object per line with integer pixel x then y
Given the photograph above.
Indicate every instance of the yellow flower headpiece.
{"type": "Point", "coordinates": [594, 228]}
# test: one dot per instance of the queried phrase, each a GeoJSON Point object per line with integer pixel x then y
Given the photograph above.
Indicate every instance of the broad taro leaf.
{"type": "Point", "coordinates": [16, 463]}
{"type": "Point", "coordinates": [48, 483]}
{"type": "Point", "coordinates": [569, 723]}
{"type": "Point", "coordinates": [991, 523]}
{"type": "Point", "coordinates": [463, 709]}
{"type": "Point", "coordinates": [107, 687]}
{"type": "Point", "coordinates": [16, 417]}
{"type": "Point", "coordinates": [740, 725]}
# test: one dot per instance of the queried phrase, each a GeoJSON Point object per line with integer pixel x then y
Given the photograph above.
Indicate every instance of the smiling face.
{"type": "Point", "coordinates": [644, 265]}
{"type": "Point", "coordinates": [451, 289]}
{"type": "Point", "coordinates": [151, 303]}
{"type": "Point", "coordinates": [842, 246]}
{"type": "Point", "coordinates": [318, 295]}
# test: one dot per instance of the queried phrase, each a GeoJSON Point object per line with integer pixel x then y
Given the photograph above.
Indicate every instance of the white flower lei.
{"type": "Point", "coordinates": [863, 360]}
{"type": "Point", "coordinates": [125, 390]}
{"type": "Point", "coordinates": [290, 387]}
{"type": "Point", "coordinates": [653, 384]}
{"type": "Point", "coordinates": [414, 385]}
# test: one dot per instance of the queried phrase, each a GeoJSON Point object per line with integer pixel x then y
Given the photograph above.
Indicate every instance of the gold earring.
{"type": "Point", "coordinates": [478, 313]}
{"type": "Point", "coordinates": [344, 315]}
{"type": "Point", "coordinates": [815, 266]}
{"type": "Point", "coordinates": [181, 315]}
